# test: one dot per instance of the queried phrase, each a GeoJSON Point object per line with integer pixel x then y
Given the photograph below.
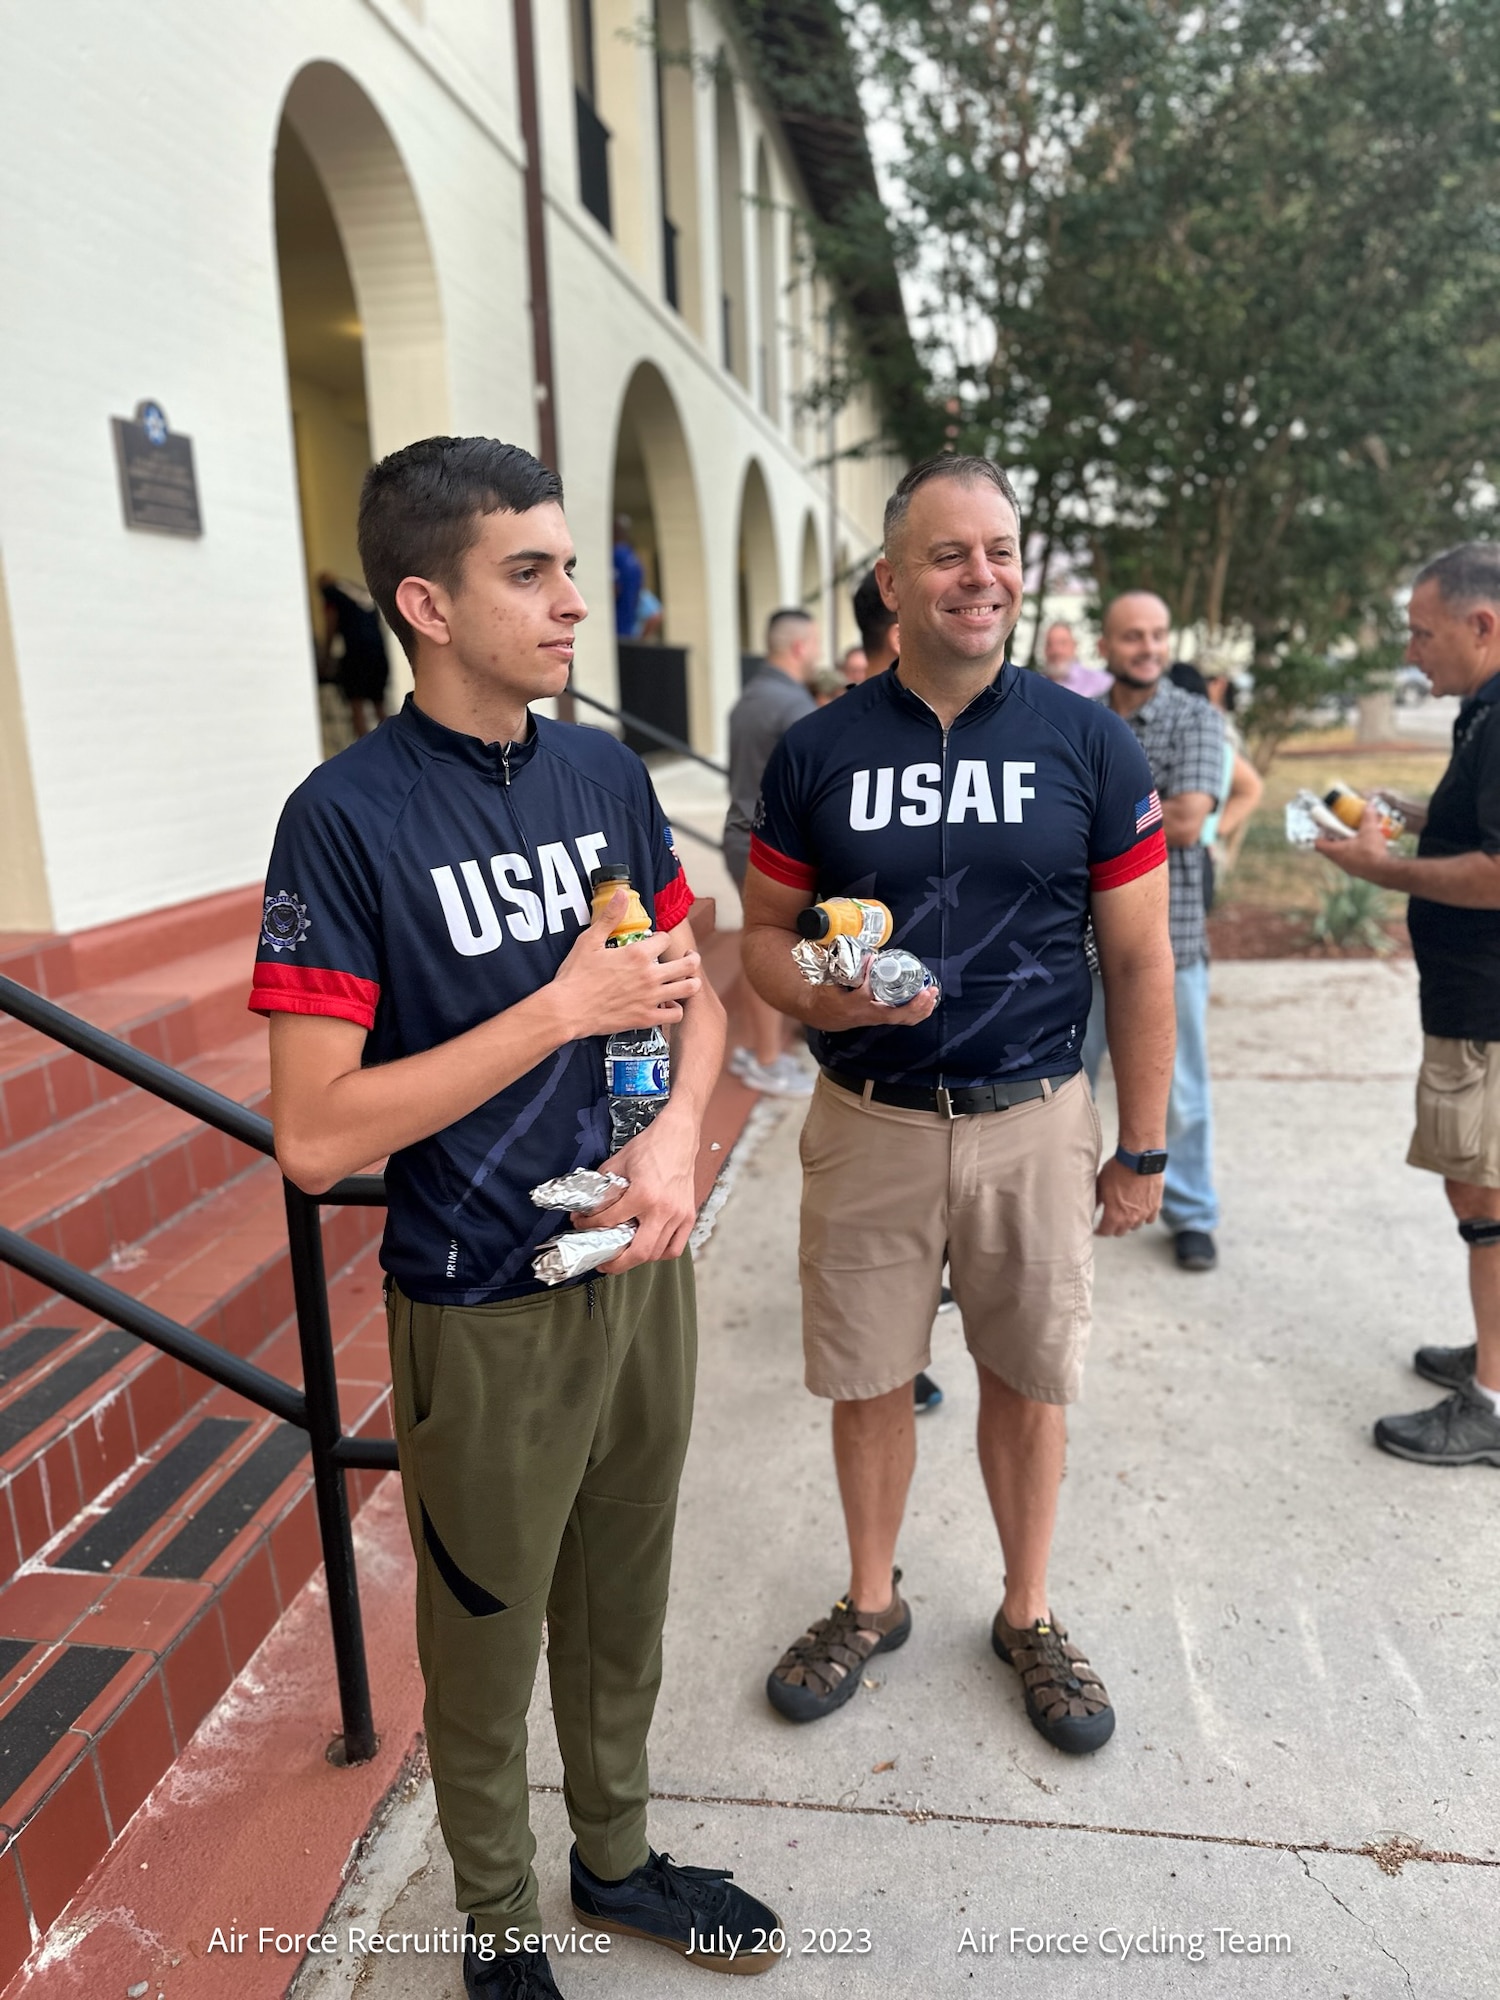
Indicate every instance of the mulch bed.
{"type": "Point", "coordinates": [1243, 930]}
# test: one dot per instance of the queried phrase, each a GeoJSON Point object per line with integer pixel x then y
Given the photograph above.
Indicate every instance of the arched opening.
{"type": "Point", "coordinates": [735, 346]}
{"type": "Point", "coordinates": [768, 277]}
{"type": "Point", "coordinates": [682, 249]}
{"type": "Point", "coordinates": [365, 364]}
{"type": "Point", "coordinates": [665, 677]}
{"type": "Point", "coordinates": [759, 571]}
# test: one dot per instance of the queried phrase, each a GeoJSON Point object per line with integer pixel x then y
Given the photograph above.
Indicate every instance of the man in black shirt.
{"type": "Point", "coordinates": [1454, 918]}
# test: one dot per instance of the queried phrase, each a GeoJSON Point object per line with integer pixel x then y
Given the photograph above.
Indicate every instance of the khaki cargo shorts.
{"type": "Point", "coordinates": [1007, 1197]}
{"type": "Point", "coordinates": [1458, 1111]}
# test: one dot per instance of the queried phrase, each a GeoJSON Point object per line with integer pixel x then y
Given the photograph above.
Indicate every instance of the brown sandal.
{"type": "Point", "coordinates": [1065, 1698]}
{"type": "Point", "coordinates": [822, 1670]}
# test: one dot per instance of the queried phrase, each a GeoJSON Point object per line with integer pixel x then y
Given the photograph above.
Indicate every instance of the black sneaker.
{"type": "Point", "coordinates": [697, 1911]}
{"type": "Point", "coordinates": [1464, 1429]}
{"type": "Point", "coordinates": [926, 1394]}
{"type": "Point", "coordinates": [514, 1975]}
{"type": "Point", "coordinates": [1449, 1367]}
{"type": "Point", "coordinates": [1196, 1250]}
{"type": "Point", "coordinates": [946, 1301]}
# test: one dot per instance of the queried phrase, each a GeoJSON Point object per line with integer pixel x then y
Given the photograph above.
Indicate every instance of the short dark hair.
{"type": "Point", "coordinates": [966, 469]}
{"type": "Point", "coordinates": [872, 614]}
{"type": "Point", "coordinates": [778, 625]}
{"type": "Point", "coordinates": [420, 509]}
{"type": "Point", "coordinates": [1467, 574]}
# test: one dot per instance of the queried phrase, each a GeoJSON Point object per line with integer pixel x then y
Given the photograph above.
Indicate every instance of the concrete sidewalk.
{"type": "Point", "coordinates": [1298, 1632]}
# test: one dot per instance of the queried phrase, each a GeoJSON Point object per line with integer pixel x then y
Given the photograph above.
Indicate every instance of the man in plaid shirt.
{"type": "Point", "coordinates": [1183, 738]}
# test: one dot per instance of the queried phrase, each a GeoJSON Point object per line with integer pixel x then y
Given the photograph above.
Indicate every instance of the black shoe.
{"type": "Point", "coordinates": [697, 1911]}
{"type": "Point", "coordinates": [1195, 1250]}
{"type": "Point", "coordinates": [1464, 1429]}
{"type": "Point", "coordinates": [926, 1394]}
{"type": "Point", "coordinates": [514, 1975]}
{"type": "Point", "coordinates": [946, 1301]}
{"type": "Point", "coordinates": [1449, 1367]}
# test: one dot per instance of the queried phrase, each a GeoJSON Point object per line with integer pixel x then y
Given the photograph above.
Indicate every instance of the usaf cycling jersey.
{"type": "Point", "coordinates": [422, 882]}
{"type": "Point", "coordinates": [986, 840]}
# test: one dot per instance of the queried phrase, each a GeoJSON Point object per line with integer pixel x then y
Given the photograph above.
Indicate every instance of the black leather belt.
{"type": "Point", "coordinates": [961, 1103]}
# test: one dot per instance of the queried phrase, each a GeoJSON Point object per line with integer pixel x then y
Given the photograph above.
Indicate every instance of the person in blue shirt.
{"type": "Point", "coordinates": [630, 579]}
{"type": "Point", "coordinates": [995, 814]}
{"type": "Point", "coordinates": [439, 993]}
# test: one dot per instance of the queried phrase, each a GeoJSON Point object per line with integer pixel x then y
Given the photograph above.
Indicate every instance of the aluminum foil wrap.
{"type": "Point", "coordinates": [579, 1191]}
{"type": "Point", "coordinates": [580, 1250]}
{"type": "Point", "coordinates": [1308, 819]}
{"type": "Point", "coordinates": [847, 960]}
{"type": "Point", "coordinates": [811, 960]}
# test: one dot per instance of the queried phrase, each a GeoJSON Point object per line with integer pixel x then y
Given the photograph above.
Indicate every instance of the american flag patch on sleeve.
{"type": "Point", "coordinates": [1147, 813]}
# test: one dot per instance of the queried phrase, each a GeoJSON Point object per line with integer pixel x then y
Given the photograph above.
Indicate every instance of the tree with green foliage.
{"type": "Point", "coordinates": [1225, 279]}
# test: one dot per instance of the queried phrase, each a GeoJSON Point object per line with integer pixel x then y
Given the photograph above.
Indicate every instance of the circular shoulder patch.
{"type": "Point", "coordinates": [285, 923]}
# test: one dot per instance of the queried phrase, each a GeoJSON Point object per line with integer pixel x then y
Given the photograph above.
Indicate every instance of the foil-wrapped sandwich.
{"type": "Point", "coordinates": [579, 1250]}
{"type": "Point", "coordinates": [578, 1192]}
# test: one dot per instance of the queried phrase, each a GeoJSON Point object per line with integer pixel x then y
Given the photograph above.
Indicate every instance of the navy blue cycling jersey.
{"type": "Point", "coordinates": [986, 840]}
{"type": "Point", "coordinates": [420, 883]}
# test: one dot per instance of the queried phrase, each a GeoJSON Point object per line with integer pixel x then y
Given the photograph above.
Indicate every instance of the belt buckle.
{"type": "Point", "coordinates": [944, 1101]}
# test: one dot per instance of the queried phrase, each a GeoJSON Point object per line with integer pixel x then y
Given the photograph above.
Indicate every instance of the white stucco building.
{"type": "Point", "coordinates": [300, 228]}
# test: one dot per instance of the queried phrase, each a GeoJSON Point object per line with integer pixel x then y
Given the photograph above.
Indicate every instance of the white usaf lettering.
{"type": "Point", "coordinates": [872, 794]}
{"type": "Point", "coordinates": [475, 925]}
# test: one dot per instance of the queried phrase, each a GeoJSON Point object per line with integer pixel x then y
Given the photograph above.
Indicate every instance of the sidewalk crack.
{"type": "Point", "coordinates": [1325, 1887]}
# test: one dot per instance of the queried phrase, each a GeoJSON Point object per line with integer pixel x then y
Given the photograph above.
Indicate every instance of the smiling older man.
{"type": "Point", "coordinates": [1454, 919]}
{"type": "Point", "coordinates": [993, 812]}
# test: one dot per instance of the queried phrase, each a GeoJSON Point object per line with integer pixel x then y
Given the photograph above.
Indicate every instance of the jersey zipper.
{"type": "Point", "coordinates": [943, 874]}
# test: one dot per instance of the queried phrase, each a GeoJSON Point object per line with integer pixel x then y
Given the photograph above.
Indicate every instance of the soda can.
{"type": "Point", "coordinates": [899, 976]}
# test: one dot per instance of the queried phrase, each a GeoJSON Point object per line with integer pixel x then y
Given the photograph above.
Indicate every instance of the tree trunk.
{"type": "Point", "coordinates": [1377, 717]}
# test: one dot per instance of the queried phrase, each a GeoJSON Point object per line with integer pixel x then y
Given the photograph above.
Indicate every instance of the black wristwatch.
{"type": "Point", "coordinates": [1153, 1162]}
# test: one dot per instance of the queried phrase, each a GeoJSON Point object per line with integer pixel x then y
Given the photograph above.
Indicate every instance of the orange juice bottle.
{"type": "Point", "coordinates": [1349, 805]}
{"type": "Point", "coordinates": [633, 922]}
{"type": "Point", "coordinates": [867, 922]}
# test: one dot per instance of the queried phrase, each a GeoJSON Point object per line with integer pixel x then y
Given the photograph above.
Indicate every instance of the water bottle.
{"type": "Point", "coordinates": [898, 976]}
{"type": "Point", "coordinates": [637, 1061]}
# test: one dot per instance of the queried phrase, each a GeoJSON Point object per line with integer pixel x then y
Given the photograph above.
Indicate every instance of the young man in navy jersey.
{"type": "Point", "coordinates": [439, 993]}
{"type": "Point", "coordinates": [994, 813]}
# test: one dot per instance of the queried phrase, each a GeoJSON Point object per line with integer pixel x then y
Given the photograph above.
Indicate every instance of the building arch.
{"type": "Point", "coordinates": [363, 335]}
{"type": "Point", "coordinates": [759, 569]}
{"type": "Point", "coordinates": [386, 246]}
{"type": "Point", "coordinates": [734, 349]}
{"type": "Point", "coordinates": [654, 486]}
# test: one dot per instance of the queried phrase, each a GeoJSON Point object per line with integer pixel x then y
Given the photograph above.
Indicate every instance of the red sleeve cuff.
{"type": "Point", "coordinates": [780, 867]}
{"type": "Point", "coordinates": [673, 903]}
{"type": "Point", "coordinates": [308, 989]}
{"type": "Point", "coordinates": [1138, 860]}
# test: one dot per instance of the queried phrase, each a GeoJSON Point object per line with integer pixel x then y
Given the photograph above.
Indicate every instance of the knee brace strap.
{"type": "Point", "coordinates": [1482, 1231]}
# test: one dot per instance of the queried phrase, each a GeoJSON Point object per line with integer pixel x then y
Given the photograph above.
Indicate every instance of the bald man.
{"type": "Point", "coordinates": [1183, 738]}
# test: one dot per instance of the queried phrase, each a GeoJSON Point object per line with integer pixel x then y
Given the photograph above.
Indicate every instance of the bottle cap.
{"type": "Point", "coordinates": [612, 871]}
{"type": "Point", "coordinates": [812, 922]}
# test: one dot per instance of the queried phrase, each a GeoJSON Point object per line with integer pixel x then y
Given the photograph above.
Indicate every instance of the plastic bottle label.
{"type": "Point", "coordinates": [638, 1076]}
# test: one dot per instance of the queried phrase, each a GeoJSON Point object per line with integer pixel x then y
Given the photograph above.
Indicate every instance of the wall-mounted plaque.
{"type": "Point", "coordinates": [158, 487]}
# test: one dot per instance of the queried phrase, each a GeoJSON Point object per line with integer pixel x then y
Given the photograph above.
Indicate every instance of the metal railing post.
{"type": "Point", "coordinates": [358, 1742]}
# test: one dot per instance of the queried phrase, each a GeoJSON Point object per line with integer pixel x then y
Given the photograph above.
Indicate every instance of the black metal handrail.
{"type": "Point", "coordinates": [662, 736]}
{"type": "Point", "coordinates": [315, 1407]}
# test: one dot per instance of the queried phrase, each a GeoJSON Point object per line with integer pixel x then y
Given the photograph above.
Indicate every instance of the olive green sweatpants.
{"type": "Point", "coordinates": [541, 1441]}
